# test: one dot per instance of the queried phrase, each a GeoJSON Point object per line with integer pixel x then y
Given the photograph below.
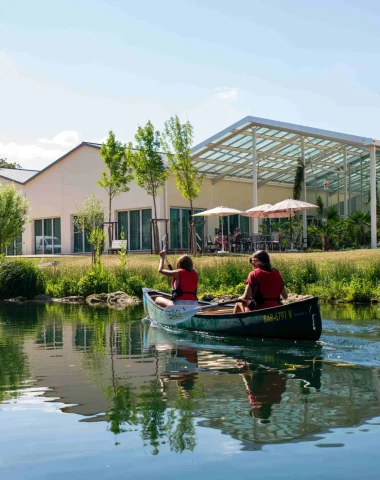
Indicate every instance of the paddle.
{"type": "Point", "coordinates": [176, 314]}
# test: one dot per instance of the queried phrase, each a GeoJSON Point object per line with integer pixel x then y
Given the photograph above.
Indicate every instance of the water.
{"type": "Point", "coordinates": [100, 394]}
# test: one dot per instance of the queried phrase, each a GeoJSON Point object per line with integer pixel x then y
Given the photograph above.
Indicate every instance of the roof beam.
{"type": "Point", "coordinates": [259, 155]}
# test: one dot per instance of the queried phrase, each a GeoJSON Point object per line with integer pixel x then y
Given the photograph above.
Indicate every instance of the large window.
{"type": "Point", "coordinates": [179, 227]}
{"type": "Point", "coordinates": [81, 244]}
{"type": "Point", "coordinates": [135, 225]}
{"type": "Point", "coordinates": [47, 236]}
{"type": "Point", "coordinates": [231, 222]}
{"type": "Point", "coordinates": [16, 246]}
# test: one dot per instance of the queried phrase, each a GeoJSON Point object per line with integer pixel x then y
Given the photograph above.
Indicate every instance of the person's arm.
{"type": "Point", "coordinates": [284, 293]}
{"type": "Point", "coordinates": [164, 271]}
{"type": "Point", "coordinates": [247, 295]}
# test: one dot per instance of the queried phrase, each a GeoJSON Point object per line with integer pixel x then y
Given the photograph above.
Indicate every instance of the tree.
{"type": "Point", "coordinates": [298, 180]}
{"type": "Point", "coordinates": [90, 219]}
{"type": "Point", "coordinates": [13, 214]}
{"type": "Point", "coordinates": [151, 172]}
{"type": "Point", "coordinates": [117, 157]}
{"type": "Point", "coordinates": [5, 164]}
{"type": "Point", "coordinates": [177, 142]}
{"type": "Point", "coordinates": [360, 223]}
{"type": "Point", "coordinates": [319, 203]}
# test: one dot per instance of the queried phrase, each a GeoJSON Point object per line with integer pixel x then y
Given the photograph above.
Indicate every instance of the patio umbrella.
{"type": "Point", "coordinates": [219, 212]}
{"type": "Point", "coordinates": [262, 212]}
{"type": "Point", "coordinates": [289, 206]}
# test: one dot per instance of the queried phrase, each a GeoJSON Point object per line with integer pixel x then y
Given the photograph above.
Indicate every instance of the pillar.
{"type": "Point", "coordinates": [345, 212]}
{"type": "Point", "coordinates": [254, 179]}
{"type": "Point", "coordinates": [304, 193]}
{"type": "Point", "coordinates": [372, 166]}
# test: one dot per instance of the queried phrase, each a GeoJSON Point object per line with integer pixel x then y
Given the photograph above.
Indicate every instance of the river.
{"type": "Point", "coordinates": [101, 394]}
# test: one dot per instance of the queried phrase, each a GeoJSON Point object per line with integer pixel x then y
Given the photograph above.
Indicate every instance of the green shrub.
{"type": "Point", "coordinates": [20, 277]}
{"type": "Point", "coordinates": [97, 280]}
{"type": "Point", "coordinates": [62, 287]}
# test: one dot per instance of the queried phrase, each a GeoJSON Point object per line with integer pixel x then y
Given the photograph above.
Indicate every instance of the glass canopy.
{"type": "Point", "coordinates": [229, 155]}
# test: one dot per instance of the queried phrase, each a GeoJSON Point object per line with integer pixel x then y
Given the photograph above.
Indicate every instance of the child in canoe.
{"type": "Point", "coordinates": [264, 285]}
{"type": "Point", "coordinates": [184, 282]}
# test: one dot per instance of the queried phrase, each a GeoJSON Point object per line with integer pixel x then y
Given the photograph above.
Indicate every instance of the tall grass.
{"type": "Point", "coordinates": [331, 281]}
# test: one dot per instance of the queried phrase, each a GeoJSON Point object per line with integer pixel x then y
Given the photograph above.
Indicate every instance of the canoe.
{"type": "Point", "coordinates": [297, 321]}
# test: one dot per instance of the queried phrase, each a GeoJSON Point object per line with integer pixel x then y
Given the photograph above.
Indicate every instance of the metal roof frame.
{"type": "Point", "coordinates": [229, 153]}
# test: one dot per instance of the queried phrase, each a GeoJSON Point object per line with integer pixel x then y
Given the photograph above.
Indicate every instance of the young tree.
{"type": "Point", "coordinates": [13, 214]}
{"type": "Point", "coordinates": [151, 172]}
{"type": "Point", "coordinates": [298, 180]}
{"type": "Point", "coordinates": [90, 219]}
{"type": "Point", "coordinates": [117, 157]}
{"type": "Point", "coordinates": [5, 164]}
{"type": "Point", "coordinates": [177, 142]}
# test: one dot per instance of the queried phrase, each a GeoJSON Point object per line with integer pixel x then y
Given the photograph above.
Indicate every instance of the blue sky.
{"type": "Point", "coordinates": [72, 70]}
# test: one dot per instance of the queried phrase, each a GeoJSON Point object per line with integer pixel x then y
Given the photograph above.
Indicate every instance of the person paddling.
{"type": "Point", "coordinates": [184, 282]}
{"type": "Point", "coordinates": [264, 285]}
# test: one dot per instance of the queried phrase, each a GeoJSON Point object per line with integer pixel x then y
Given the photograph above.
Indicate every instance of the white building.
{"type": "Point", "coordinates": [249, 163]}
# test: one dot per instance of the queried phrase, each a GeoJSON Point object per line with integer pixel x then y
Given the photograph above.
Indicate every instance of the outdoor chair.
{"type": "Point", "coordinates": [117, 246]}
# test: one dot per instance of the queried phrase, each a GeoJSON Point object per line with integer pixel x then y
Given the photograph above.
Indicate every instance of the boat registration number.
{"type": "Point", "coordinates": [277, 317]}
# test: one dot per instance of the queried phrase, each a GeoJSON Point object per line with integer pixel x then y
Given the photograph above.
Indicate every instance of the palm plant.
{"type": "Point", "coordinates": [360, 223]}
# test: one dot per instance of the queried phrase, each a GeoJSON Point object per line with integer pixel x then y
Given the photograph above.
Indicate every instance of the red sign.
{"type": "Point", "coordinates": [326, 185]}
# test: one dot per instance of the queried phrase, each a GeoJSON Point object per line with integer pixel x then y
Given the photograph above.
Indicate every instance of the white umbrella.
{"type": "Point", "coordinates": [289, 206]}
{"type": "Point", "coordinates": [219, 212]}
{"type": "Point", "coordinates": [262, 212]}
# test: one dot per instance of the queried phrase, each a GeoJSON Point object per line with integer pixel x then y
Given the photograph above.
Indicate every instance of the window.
{"type": "Point", "coordinates": [47, 236]}
{"type": "Point", "coordinates": [81, 244]}
{"type": "Point", "coordinates": [179, 227]}
{"type": "Point", "coordinates": [16, 247]}
{"type": "Point", "coordinates": [231, 222]}
{"type": "Point", "coordinates": [135, 224]}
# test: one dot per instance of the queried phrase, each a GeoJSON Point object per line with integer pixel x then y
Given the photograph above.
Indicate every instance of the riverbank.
{"type": "Point", "coordinates": [352, 276]}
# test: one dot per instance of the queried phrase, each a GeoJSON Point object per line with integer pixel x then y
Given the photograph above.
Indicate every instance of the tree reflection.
{"type": "Point", "coordinates": [13, 366]}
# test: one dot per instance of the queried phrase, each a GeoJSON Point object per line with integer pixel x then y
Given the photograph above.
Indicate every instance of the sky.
{"type": "Point", "coordinates": [70, 71]}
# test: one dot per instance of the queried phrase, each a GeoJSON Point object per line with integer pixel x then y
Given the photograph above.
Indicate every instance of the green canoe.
{"type": "Point", "coordinates": [298, 321]}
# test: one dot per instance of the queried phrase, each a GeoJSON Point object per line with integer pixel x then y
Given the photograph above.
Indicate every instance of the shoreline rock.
{"type": "Point", "coordinates": [71, 300]}
{"type": "Point", "coordinates": [116, 300]}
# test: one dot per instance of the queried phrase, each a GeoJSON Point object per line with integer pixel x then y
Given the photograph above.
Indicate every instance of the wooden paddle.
{"type": "Point", "coordinates": [176, 314]}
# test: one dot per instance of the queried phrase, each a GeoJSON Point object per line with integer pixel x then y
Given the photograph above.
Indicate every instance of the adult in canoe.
{"type": "Point", "coordinates": [184, 282]}
{"type": "Point", "coordinates": [264, 285]}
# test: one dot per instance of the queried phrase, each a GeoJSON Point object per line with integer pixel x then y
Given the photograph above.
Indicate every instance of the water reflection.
{"type": "Point", "coordinates": [110, 367]}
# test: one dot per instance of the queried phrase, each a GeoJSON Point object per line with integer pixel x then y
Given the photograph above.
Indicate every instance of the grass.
{"type": "Point", "coordinates": [351, 276]}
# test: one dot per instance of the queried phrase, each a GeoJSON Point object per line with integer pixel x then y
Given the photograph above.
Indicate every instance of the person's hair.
{"type": "Point", "coordinates": [263, 260]}
{"type": "Point", "coordinates": [185, 263]}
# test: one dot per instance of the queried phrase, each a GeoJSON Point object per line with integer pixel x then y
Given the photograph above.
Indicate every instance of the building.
{"type": "Point", "coordinates": [249, 163]}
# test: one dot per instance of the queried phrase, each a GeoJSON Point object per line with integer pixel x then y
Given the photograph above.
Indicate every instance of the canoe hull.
{"type": "Point", "coordinates": [298, 321]}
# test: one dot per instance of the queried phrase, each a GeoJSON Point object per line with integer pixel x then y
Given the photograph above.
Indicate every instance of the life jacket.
{"type": "Point", "coordinates": [186, 285]}
{"type": "Point", "coordinates": [269, 288]}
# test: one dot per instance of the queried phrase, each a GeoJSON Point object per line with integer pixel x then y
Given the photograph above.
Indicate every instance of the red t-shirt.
{"type": "Point", "coordinates": [270, 285]}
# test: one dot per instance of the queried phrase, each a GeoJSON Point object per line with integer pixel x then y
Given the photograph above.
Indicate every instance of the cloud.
{"type": "Point", "coordinates": [227, 93]}
{"type": "Point", "coordinates": [68, 138]}
{"type": "Point", "coordinates": [30, 156]}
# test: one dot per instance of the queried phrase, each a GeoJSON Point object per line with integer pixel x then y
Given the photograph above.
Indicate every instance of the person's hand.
{"type": "Point", "coordinates": [241, 299]}
{"type": "Point", "coordinates": [163, 254]}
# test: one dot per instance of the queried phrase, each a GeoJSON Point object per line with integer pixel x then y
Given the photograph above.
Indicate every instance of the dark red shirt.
{"type": "Point", "coordinates": [270, 285]}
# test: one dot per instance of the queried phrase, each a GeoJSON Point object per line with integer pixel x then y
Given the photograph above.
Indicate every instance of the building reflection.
{"type": "Point", "coordinates": [132, 376]}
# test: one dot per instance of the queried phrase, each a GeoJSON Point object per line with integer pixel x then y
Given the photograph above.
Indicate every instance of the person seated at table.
{"type": "Point", "coordinates": [236, 239]}
{"type": "Point", "coordinates": [264, 285]}
{"type": "Point", "coordinates": [184, 282]}
{"type": "Point", "coordinates": [219, 241]}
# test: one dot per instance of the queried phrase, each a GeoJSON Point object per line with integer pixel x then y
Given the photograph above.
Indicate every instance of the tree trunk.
{"type": "Point", "coordinates": [156, 240]}
{"type": "Point", "coordinates": [192, 232]}
{"type": "Point", "coordinates": [109, 220]}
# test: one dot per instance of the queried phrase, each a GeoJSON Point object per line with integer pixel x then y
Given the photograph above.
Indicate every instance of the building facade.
{"type": "Point", "coordinates": [236, 176]}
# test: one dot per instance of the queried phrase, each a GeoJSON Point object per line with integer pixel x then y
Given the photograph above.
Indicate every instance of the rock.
{"type": "Point", "coordinates": [117, 300]}
{"type": "Point", "coordinates": [16, 300]}
{"type": "Point", "coordinates": [72, 300]}
{"type": "Point", "coordinates": [97, 299]}
{"type": "Point", "coordinates": [208, 297]}
{"type": "Point", "coordinates": [43, 298]}
{"type": "Point", "coordinates": [294, 297]}
{"type": "Point", "coordinates": [121, 300]}
{"type": "Point", "coordinates": [225, 298]}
